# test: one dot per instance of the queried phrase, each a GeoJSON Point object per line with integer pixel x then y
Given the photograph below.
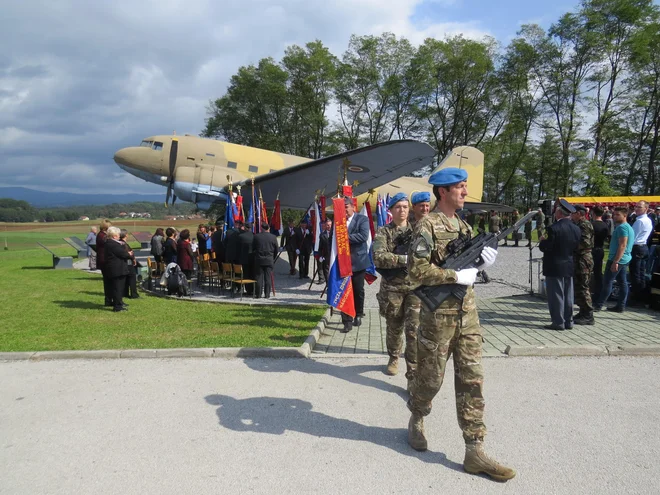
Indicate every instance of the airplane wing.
{"type": "Point", "coordinates": [371, 166]}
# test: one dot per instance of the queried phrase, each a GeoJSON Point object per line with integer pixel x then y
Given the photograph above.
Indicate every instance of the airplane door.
{"type": "Point", "coordinates": [203, 179]}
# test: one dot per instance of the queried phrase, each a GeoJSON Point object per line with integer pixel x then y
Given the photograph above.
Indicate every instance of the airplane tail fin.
{"type": "Point", "coordinates": [472, 161]}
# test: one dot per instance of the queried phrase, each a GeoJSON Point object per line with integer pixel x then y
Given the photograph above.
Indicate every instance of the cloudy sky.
{"type": "Point", "coordinates": [81, 79]}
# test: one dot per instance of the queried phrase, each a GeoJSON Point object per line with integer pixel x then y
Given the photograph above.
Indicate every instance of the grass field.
{"type": "Point", "coordinates": [46, 309]}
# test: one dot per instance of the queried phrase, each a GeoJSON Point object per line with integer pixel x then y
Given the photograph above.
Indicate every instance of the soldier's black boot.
{"type": "Point", "coordinates": [585, 319]}
{"type": "Point", "coordinates": [476, 462]}
{"type": "Point", "coordinates": [416, 438]}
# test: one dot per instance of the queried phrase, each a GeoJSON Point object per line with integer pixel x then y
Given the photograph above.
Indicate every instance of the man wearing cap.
{"type": "Point", "coordinates": [397, 303]}
{"type": "Point", "coordinates": [584, 267]}
{"type": "Point", "coordinates": [452, 329]}
{"type": "Point", "coordinates": [558, 246]}
{"type": "Point", "coordinates": [421, 205]}
{"type": "Point", "coordinates": [358, 233]}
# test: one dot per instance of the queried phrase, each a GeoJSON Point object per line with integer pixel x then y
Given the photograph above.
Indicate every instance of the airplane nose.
{"type": "Point", "coordinates": [121, 158]}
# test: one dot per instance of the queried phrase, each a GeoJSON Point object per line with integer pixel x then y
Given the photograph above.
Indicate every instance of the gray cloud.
{"type": "Point", "coordinates": [80, 79]}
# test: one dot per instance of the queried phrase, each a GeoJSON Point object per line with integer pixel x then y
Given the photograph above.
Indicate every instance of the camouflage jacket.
{"type": "Point", "coordinates": [390, 249]}
{"type": "Point", "coordinates": [586, 239]}
{"type": "Point", "coordinates": [429, 248]}
{"type": "Point", "coordinates": [494, 224]}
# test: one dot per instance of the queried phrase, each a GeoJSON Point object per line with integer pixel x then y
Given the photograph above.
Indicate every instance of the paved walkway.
{"type": "Point", "coordinates": [515, 321]}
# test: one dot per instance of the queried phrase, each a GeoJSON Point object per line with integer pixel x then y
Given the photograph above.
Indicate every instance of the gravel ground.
{"type": "Point", "coordinates": [509, 276]}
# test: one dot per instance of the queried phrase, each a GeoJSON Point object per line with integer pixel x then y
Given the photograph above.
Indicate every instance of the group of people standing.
{"type": "Point", "coordinates": [574, 249]}
{"type": "Point", "coordinates": [116, 260]}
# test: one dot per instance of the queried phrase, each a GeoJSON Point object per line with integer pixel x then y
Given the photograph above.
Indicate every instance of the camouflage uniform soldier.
{"type": "Point", "coordinates": [515, 216]}
{"type": "Point", "coordinates": [453, 328]}
{"type": "Point", "coordinates": [584, 268]}
{"type": "Point", "coordinates": [398, 305]}
{"type": "Point", "coordinates": [540, 228]}
{"type": "Point", "coordinates": [494, 224]}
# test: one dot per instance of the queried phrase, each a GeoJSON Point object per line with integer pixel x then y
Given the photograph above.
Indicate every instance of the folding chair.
{"type": "Point", "coordinates": [238, 279]}
{"type": "Point", "coordinates": [227, 276]}
{"type": "Point", "coordinates": [215, 273]}
{"type": "Point", "coordinates": [207, 275]}
{"type": "Point", "coordinates": [152, 267]}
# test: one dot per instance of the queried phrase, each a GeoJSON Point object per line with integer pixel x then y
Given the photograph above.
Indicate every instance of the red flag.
{"type": "Point", "coordinates": [277, 217]}
{"type": "Point", "coordinates": [264, 214]}
{"type": "Point", "coordinates": [340, 289]}
{"type": "Point", "coordinates": [341, 238]}
{"type": "Point", "coordinates": [239, 205]}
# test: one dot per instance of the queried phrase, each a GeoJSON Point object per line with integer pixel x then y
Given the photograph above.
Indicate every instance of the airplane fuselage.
{"type": "Point", "coordinates": [200, 169]}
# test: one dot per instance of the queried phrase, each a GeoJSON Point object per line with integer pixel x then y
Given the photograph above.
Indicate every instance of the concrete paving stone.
{"type": "Point", "coordinates": [15, 356]}
{"type": "Point", "coordinates": [557, 351]}
{"type": "Point", "coordinates": [96, 354]}
{"type": "Point", "coordinates": [175, 353]}
{"type": "Point", "coordinates": [138, 353]}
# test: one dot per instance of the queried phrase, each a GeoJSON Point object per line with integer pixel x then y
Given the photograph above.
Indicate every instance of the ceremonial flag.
{"type": "Point", "coordinates": [316, 232]}
{"type": "Point", "coordinates": [322, 199]}
{"type": "Point", "coordinates": [263, 217]}
{"type": "Point", "coordinates": [238, 209]}
{"type": "Point", "coordinates": [229, 217]}
{"type": "Point", "coordinates": [340, 288]}
{"type": "Point", "coordinates": [370, 276]}
{"type": "Point", "coordinates": [277, 218]}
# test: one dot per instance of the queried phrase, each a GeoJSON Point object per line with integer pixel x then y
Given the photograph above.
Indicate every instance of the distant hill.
{"type": "Point", "coordinates": [41, 199]}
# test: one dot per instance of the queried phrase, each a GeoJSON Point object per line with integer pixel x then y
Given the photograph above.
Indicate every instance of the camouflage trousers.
{"type": "Point", "coordinates": [439, 336]}
{"type": "Point", "coordinates": [584, 269]}
{"type": "Point", "coordinates": [401, 313]}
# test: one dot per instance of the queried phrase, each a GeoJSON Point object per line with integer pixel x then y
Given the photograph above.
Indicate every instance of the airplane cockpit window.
{"type": "Point", "coordinates": [158, 145]}
{"type": "Point", "coordinates": [253, 169]}
{"type": "Point", "coordinates": [146, 144]}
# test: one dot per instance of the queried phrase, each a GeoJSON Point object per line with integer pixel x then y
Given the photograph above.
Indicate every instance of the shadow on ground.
{"type": "Point", "coordinates": [80, 305]}
{"type": "Point", "coordinates": [275, 416]}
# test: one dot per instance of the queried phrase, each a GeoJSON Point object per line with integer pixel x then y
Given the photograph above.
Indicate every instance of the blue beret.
{"type": "Point", "coordinates": [448, 176]}
{"type": "Point", "coordinates": [421, 197]}
{"type": "Point", "coordinates": [396, 198]}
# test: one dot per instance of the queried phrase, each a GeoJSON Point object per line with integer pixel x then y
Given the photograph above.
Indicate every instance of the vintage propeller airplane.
{"type": "Point", "coordinates": [199, 170]}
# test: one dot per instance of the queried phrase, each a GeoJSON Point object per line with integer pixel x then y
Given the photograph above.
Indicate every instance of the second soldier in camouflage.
{"type": "Point", "coordinates": [398, 305]}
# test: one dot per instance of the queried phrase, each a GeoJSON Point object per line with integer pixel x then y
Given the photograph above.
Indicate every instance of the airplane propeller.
{"type": "Point", "coordinates": [174, 149]}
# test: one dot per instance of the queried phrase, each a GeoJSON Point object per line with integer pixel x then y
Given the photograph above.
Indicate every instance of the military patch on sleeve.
{"type": "Point", "coordinates": [422, 245]}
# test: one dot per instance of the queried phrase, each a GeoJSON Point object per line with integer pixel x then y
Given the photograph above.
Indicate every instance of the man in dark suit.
{"type": "Point", "coordinates": [324, 249]}
{"type": "Point", "coordinates": [218, 245]}
{"type": "Point", "coordinates": [246, 254]}
{"type": "Point", "coordinates": [231, 246]}
{"type": "Point", "coordinates": [304, 247]}
{"type": "Point", "coordinates": [265, 252]}
{"type": "Point", "coordinates": [358, 233]}
{"type": "Point", "coordinates": [116, 267]}
{"type": "Point", "coordinates": [558, 245]}
{"type": "Point", "coordinates": [289, 243]}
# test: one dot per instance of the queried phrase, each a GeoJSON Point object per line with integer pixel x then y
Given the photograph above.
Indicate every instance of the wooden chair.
{"type": "Point", "coordinates": [238, 279]}
{"type": "Point", "coordinates": [227, 276]}
{"type": "Point", "coordinates": [206, 257]}
{"type": "Point", "coordinates": [206, 275]}
{"type": "Point", "coordinates": [152, 267]}
{"type": "Point", "coordinates": [215, 273]}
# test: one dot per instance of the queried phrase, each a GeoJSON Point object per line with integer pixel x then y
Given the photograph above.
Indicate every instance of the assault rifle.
{"type": "Point", "coordinates": [464, 252]}
{"type": "Point", "coordinates": [401, 246]}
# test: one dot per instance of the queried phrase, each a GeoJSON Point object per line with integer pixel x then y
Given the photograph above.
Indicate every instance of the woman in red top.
{"type": "Point", "coordinates": [184, 253]}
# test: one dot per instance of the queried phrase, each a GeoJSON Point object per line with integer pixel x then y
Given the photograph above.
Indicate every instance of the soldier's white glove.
{"type": "Point", "coordinates": [297, 251]}
{"type": "Point", "coordinates": [488, 254]}
{"type": "Point", "coordinates": [467, 276]}
{"type": "Point", "coordinates": [321, 259]}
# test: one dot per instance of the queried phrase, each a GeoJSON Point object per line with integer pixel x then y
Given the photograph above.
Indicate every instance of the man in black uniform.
{"type": "Point", "coordinates": [558, 246]}
{"type": "Point", "coordinates": [231, 243]}
{"type": "Point", "coordinates": [116, 268]}
{"type": "Point", "coordinates": [246, 254]}
{"type": "Point", "coordinates": [304, 247]}
{"type": "Point", "coordinates": [601, 231]}
{"type": "Point", "coordinates": [217, 244]}
{"type": "Point", "coordinates": [324, 249]}
{"type": "Point", "coordinates": [265, 252]}
{"type": "Point", "coordinates": [289, 243]}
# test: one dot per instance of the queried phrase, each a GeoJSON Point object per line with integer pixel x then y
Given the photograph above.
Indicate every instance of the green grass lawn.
{"type": "Point", "coordinates": [46, 309]}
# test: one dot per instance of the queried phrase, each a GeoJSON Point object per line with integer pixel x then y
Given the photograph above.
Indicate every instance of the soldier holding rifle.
{"type": "Point", "coordinates": [453, 328]}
